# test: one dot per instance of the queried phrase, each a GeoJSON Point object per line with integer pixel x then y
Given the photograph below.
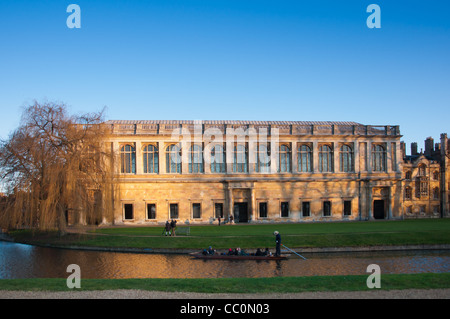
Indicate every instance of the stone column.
{"type": "Point", "coordinates": [253, 204]}
{"type": "Point", "coordinates": [139, 159]}
{"type": "Point", "coordinates": [315, 151]}
{"type": "Point", "coordinates": [294, 154]}
{"type": "Point", "coordinates": [162, 157]}
{"type": "Point", "coordinates": [230, 202]}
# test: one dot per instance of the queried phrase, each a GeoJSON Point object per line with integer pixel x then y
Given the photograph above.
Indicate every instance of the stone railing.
{"type": "Point", "coordinates": [283, 129]}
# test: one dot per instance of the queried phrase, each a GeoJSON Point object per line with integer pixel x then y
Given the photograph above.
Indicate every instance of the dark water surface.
{"type": "Point", "coordinates": [25, 261]}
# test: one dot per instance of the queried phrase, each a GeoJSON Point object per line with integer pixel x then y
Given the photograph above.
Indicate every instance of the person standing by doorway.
{"type": "Point", "coordinates": [278, 243]}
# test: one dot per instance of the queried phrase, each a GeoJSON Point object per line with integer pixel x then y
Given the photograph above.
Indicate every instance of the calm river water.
{"type": "Point", "coordinates": [25, 261]}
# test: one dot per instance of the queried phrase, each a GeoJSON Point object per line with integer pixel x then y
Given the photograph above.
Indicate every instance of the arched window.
{"type": "Point", "coordinates": [378, 158]}
{"type": "Point", "coordinates": [196, 159]}
{"type": "Point", "coordinates": [150, 159]}
{"type": "Point", "coordinates": [408, 175]}
{"type": "Point", "coordinates": [422, 170]}
{"type": "Point", "coordinates": [436, 175]}
{"type": "Point", "coordinates": [346, 158]}
{"type": "Point", "coordinates": [285, 159]}
{"type": "Point", "coordinates": [262, 159]}
{"type": "Point", "coordinates": [240, 159]}
{"type": "Point", "coordinates": [304, 158]}
{"type": "Point", "coordinates": [218, 159]}
{"type": "Point", "coordinates": [173, 159]}
{"type": "Point", "coordinates": [325, 158]}
{"type": "Point", "coordinates": [128, 159]}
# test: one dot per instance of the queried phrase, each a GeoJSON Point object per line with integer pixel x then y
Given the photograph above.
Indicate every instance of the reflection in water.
{"type": "Point", "coordinates": [24, 261]}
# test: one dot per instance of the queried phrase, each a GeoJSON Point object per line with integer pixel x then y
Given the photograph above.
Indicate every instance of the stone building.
{"type": "Point", "coordinates": [271, 171]}
{"type": "Point", "coordinates": [426, 179]}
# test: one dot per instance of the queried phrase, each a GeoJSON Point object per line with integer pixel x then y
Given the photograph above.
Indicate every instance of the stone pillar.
{"type": "Point", "coordinates": [162, 157]}
{"type": "Point", "coordinates": [315, 151]}
{"type": "Point", "coordinates": [253, 205]}
{"type": "Point", "coordinates": [369, 202]}
{"type": "Point", "coordinates": [356, 155]}
{"type": "Point", "coordinates": [230, 202]}
{"type": "Point", "coordinates": [139, 159]}
{"type": "Point", "coordinates": [294, 155]}
{"type": "Point", "coordinates": [336, 167]}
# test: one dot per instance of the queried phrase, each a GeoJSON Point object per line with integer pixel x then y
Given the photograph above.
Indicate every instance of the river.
{"type": "Point", "coordinates": [26, 261]}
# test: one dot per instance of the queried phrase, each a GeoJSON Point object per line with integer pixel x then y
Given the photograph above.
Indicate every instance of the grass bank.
{"type": "Point", "coordinates": [238, 285]}
{"type": "Point", "coordinates": [304, 235]}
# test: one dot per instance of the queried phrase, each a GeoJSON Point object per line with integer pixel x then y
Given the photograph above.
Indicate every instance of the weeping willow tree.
{"type": "Point", "coordinates": [56, 165]}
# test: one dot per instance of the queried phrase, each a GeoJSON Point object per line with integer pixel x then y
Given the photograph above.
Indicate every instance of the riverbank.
{"type": "Point", "coordinates": [216, 286]}
{"type": "Point", "coordinates": [306, 238]}
{"type": "Point", "coordinates": [142, 294]}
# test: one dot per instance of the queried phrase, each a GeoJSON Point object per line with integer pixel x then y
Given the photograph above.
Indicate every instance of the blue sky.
{"type": "Point", "coordinates": [231, 59]}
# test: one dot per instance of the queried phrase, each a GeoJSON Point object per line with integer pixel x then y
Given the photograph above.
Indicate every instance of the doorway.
{"type": "Point", "coordinates": [240, 212]}
{"type": "Point", "coordinates": [378, 209]}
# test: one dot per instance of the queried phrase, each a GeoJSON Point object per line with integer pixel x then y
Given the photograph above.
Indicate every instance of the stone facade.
{"type": "Point", "coordinates": [426, 180]}
{"type": "Point", "coordinates": [271, 172]}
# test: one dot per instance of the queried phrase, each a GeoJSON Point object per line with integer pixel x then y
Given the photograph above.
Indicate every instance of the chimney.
{"type": "Point", "coordinates": [414, 148]}
{"type": "Point", "coordinates": [429, 146]}
{"type": "Point", "coordinates": [444, 144]}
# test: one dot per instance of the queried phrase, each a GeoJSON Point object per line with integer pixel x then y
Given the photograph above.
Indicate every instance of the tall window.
{"type": "Point", "coordinates": [327, 208]}
{"type": "Point", "coordinates": [346, 158]}
{"type": "Point", "coordinates": [128, 159]}
{"type": "Point", "coordinates": [422, 170]}
{"type": "Point", "coordinates": [196, 210]}
{"type": "Point", "coordinates": [325, 158]}
{"type": "Point", "coordinates": [284, 209]}
{"type": "Point", "coordinates": [240, 159]}
{"type": "Point", "coordinates": [218, 210]}
{"type": "Point", "coordinates": [218, 162]}
{"type": "Point", "coordinates": [285, 159]}
{"type": "Point", "coordinates": [408, 193]}
{"type": "Point", "coordinates": [173, 159]}
{"type": "Point", "coordinates": [304, 157]}
{"type": "Point", "coordinates": [195, 159]}
{"type": "Point", "coordinates": [306, 209]}
{"type": "Point", "coordinates": [378, 158]}
{"type": "Point", "coordinates": [151, 159]}
{"type": "Point", "coordinates": [128, 211]}
{"type": "Point", "coordinates": [408, 175]}
{"type": "Point", "coordinates": [436, 193]}
{"type": "Point", "coordinates": [263, 209]}
{"type": "Point", "coordinates": [151, 211]}
{"type": "Point", "coordinates": [262, 159]}
{"type": "Point", "coordinates": [173, 211]}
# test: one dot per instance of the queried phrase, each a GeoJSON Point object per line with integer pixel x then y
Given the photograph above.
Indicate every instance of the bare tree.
{"type": "Point", "coordinates": [55, 165]}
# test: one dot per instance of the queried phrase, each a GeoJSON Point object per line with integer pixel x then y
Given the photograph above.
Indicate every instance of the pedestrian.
{"type": "Point", "coordinates": [231, 219]}
{"type": "Point", "coordinates": [218, 218]}
{"type": "Point", "coordinates": [278, 243]}
{"type": "Point", "coordinates": [173, 225]}
{"type": "Point", "coordinates": [167, 228]}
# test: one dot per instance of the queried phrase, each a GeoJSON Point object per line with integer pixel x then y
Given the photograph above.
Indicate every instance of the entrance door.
{"type": "Point", "coordinates": [378, 209]}
{"type": "Point", "coordinates": [240, 212]}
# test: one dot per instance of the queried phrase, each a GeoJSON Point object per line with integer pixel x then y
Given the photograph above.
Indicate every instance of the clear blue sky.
{"type": "Point", "coordinates": [232, 59]}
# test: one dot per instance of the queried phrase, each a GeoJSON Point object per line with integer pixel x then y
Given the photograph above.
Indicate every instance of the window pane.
{"type": "Point", "coordinates": [306, 209]}
{"type": "Point", "coordinates": [326, 208]}
{"type": "Point", "coordinates": [196, 210]}
{"type": "Point", "coordinates": [262, 210]}
{"type": "Point", "coordinates": [128, 211]}
{"type": "Point", "coordinates": [284, 209]}
{"type": "Point", "coordinates": [151, 211]}
{"type": "Point", "coordinates": [173, 211]}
